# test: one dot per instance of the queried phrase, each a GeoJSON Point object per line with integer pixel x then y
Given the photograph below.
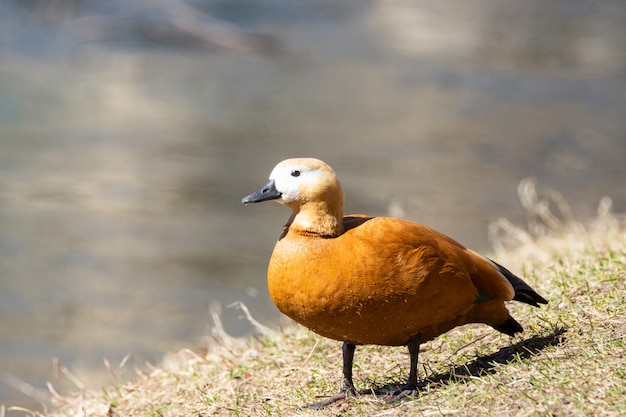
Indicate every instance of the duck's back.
{"type": "Point", "coordinates": [382, 281]}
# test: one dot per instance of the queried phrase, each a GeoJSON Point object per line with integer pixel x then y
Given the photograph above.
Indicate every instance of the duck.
{"type": "Point", "coordinates": [373, 280]}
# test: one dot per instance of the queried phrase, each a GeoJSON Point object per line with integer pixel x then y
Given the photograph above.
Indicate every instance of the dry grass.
{"type": "Point", "coordinates": [571, 359]}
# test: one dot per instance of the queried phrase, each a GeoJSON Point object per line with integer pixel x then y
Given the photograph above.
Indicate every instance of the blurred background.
{"type": "Point", "coordinates": [129, 131]}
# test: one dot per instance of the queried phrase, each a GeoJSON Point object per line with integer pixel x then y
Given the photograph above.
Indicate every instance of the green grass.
{"type": "Point", "coordinates": [569, 361]}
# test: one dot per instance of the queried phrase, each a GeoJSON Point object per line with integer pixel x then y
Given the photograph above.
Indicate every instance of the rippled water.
{"type": "Point", "coordinates": [124, 153]}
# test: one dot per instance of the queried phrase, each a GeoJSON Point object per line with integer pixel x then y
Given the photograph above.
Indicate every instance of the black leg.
{"type": "Point", "coordinates": [410, 389]}
{"type": "Point", "coordinates": [348, 358]}
{"type": "Point", "coordinates": [347, 386]}
{"type": "Point", "coordinates": [414, 350]}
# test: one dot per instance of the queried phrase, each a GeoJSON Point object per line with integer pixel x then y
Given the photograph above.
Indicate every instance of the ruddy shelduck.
{"type": "Point", "coordinates": [376, 280]}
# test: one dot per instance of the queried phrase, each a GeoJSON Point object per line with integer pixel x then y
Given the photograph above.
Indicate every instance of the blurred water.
{"type": "Point", "coordinates": [125, 149]}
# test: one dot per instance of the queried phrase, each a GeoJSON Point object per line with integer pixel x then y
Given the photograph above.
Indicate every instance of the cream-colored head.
{"type": "Point", "coordinates": [311, 189]}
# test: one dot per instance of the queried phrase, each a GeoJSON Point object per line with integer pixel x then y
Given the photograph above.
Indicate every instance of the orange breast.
{"type": "Point", "coordinates": [382, 281]}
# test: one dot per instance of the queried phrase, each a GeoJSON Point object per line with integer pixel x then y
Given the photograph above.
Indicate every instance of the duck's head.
{"type": "Point", "coordinates": [310, 188]}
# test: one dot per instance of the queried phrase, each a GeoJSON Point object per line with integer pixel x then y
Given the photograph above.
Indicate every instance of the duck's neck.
{"type": "Point", "coordinates": [318, 219]}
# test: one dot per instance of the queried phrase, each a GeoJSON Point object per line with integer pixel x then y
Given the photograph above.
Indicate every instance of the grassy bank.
{"type": "Point", "coordinates": [570, 360]}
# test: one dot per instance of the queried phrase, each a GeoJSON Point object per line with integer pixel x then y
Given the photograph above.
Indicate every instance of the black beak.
{"type": "Point", "coordinates": [267, 192]}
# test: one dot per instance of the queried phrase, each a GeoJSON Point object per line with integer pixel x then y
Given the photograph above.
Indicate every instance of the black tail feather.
{"type": "Point", "coordinates": [509, 327]}
{"type": "Point", "coordinates": [523, 292]}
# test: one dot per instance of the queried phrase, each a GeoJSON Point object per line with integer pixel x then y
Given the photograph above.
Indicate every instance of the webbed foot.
{"type": "Point", "coordinates": [404, 393]}
{"type": "Point", "coordinates": [340, 396]}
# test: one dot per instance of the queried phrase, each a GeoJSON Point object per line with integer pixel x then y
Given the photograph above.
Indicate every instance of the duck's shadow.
{"type": "Point", "coordinates": [479, 367]}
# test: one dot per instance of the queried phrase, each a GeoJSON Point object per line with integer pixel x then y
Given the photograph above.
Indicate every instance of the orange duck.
{"type": "Point", "coordinates": [376, 280]}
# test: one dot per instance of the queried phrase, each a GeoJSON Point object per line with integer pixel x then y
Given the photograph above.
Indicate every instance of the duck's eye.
{"type": "Point", "coordinates": [295, 173]}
